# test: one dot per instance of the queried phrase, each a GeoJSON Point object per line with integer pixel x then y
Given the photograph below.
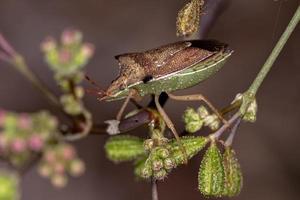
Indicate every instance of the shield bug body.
{"type": "Point", "coordinates": [166, 69]}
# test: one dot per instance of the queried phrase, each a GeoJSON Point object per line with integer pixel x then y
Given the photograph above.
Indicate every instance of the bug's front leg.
{"type": "Point", "coordinates": [132, 94]}
{"type": "Point", "coordinates": [199, 97]}
{"type": "Point", "coordinates": [170, 125]}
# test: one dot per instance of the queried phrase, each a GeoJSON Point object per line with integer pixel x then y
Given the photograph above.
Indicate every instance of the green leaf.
{"type": "Point", "coordinates": [124, 148]}
{"type": "Point", "coordinates": [192, 146]}
{"type": "Point", "coordinates": [233, 174]}
{"type": "Point", "coordinates": [211, 174]}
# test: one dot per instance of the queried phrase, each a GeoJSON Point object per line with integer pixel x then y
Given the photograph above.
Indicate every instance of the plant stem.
{"type": "Point", "coordinates": [19, 63]}
{"type": "Point", "coordinates": [154, 190]}
{"type": "Point", "coordinates": [275, 52]}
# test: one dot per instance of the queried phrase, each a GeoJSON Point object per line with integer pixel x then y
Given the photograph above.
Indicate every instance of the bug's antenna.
{"type": "Point", "coordinates": [97, 91]}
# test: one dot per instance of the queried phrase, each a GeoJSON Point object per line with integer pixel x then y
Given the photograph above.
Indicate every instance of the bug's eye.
{"type": "Point", "coordinates": [122, 87]}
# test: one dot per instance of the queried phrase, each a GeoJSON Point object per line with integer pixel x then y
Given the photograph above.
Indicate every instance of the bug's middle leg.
{"type": "Point", "coordinates": [170, 125]}
{"type": "Point", "coordinates": [199, 97]}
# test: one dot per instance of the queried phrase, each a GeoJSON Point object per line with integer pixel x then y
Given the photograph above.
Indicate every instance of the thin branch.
{"type": "Point", "coordinates": [221, 130]}
{"type": "Point", "coordinates": [154, 190]}
{"type": "Point", "coordinates": [233, 132]}
{"type": "Point", "coordinates": [273, 56]}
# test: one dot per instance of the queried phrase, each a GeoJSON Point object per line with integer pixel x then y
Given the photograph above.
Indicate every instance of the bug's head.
{"type": "Point", "coordinates": [116, 87]}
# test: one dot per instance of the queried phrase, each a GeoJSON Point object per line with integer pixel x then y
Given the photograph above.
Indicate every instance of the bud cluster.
{"type": "Point", "coordinates": [70, 56]}
{"type": "Point", "coordinates": [67, 60]}
{"type": "Point", "coordinates": [58, 161]}
{"type": "Point", "coordinates": [195, 120]}
{"type": "Point", "coordinates": [24, 134]}
{"type": "Point", "coordinates": [158, 164]}
{"type": "Point", "coordinates": [9, 186]}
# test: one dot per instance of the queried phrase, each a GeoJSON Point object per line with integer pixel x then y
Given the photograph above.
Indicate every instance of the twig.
{"type": "Point", "coordinates": [275, 52]}
{"type": "Point", "coordinates": [154, 190]}
{"type": "Point", "coordinates": [221, 130]}
{"type": "Point", "coordinates": [233, 132]}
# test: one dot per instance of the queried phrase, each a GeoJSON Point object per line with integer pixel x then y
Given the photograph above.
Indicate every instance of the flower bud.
{"type": "Point", "coordinates": [18, 145]}
{"type": "Point", "coordinates": [146, 172]}
{"type": "Point", "coordinates": [35, 142]}
{"type": "Point", "coordinates": [169, 163]}
{"type": "Point", "coordinates": [48, 44]}
{"type": "Point", "coordinates": [64, 56]}
{"type": "Point", "coordinates": [77, 168]}
{"type": "Point", "coordinates": [157, 164]}
{"type": "Point", "coordinates": [68, 152]}
{"type": "Point", "coordinates": [148, 144]}
{"type": "Point", "coordinates": [70, 36]}
{"type": "Point", "coordinates": [87, 50]}
{"type": "Point", "coordinates": [44, 170]}
{"type": "Point", "coordinates": [59, 168]}
{"type": "Point", "coordinates": [163, 152]}
{"type": "Point", "coordinates": [59, 181]}
{"type": "Point", "coordinates": [160, 175]}
{"type": "Point", "coordinates": [203, 112]}
{"type": "Point", "coordinates": [188, 18]}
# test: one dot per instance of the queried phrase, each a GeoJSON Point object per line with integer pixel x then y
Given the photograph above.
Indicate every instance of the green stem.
{"type": "Point", "coordinates": [277, 49]}
{"type": "Point", "coordinates": [19, 63]}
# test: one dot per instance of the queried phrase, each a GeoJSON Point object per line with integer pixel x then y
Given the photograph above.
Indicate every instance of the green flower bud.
{"type": "Point", "coordinates": [212, 121]}
{"type": "Point", "coordinates": [157, 164]}
{"type": "Point", "coordinates": [163, 152]}
{"type": "Point", "coordinates": [188, 18]}
{"type": "Point", "coordinates": [142, 169]}
{"type": "Point", "coordinates": [203, 112]}
{"type": "Point", "coordinates": [169, 164]}
{"type": "Point", "coordinates": [192, 146]}
{"type": "Point", "coordinates": [160, 175]}
{"type": "Point", "coordinates": [233, 174]}
{"type": "Point", "coordinates": [124, 148]}
{"type": "Point", "coordinates": [211, 174]}
{"type": "Point", "coordinates": [149, 144]}
{"type": "Point", "coordinates": [192, 120]}
{"type": "Point", "coordinates": [9, 186]}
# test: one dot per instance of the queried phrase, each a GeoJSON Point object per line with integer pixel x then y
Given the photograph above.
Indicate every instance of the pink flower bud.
{"type": "Point", "coordinates": [59, 181]}
{"type": "Point", "coordinates": [87, 50]}
{"type": "Point", "coordinates": [50, 157]}
{"type": "Point", "coordinates": [59, 168]}
{"type": "Point", "coordinates": [64, 56]}
{"type": "Point", "coordinates": [48, 44]}
{"type": "Point", "coordinates": [24, 121]}
{"type": "Point", "coordinates": [68, 152]}
{"type": "Point", "coordinates": [35, 142]}
{"type": "Point", "coordinates": [70, 36]}
{"type": "Point", "coordinates": [77, 168]}
{"type": "Point", "coordinates": [18, 145]}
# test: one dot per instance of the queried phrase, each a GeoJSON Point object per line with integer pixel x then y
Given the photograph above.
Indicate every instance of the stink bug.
{"type": "Point", "coordinates": [166, 69]}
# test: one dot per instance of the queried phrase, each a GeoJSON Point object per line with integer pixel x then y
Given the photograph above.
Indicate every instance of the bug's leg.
{"type": "Point", "coordinates": [199, 97]}
{"type": "Point", "coordinates": [131, 94]}
{"type": "Point", "coordinates": [170, 125]}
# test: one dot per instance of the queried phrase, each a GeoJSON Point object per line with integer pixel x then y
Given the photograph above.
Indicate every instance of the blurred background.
{"type": "Point", "coordinates": [268, 150]}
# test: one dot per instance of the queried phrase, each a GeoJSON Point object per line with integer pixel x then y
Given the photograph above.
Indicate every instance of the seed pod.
{"type": "Point", "coordinates": [124, 148]}
{"type": "Point", "coordinates": [233, 174]}
{"type": "Point", "coordinates": [192, 146]}
{"type": "Point", "coordinates": [211, 174]}
{"type": "Point", "coordinates": [188, 18]}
